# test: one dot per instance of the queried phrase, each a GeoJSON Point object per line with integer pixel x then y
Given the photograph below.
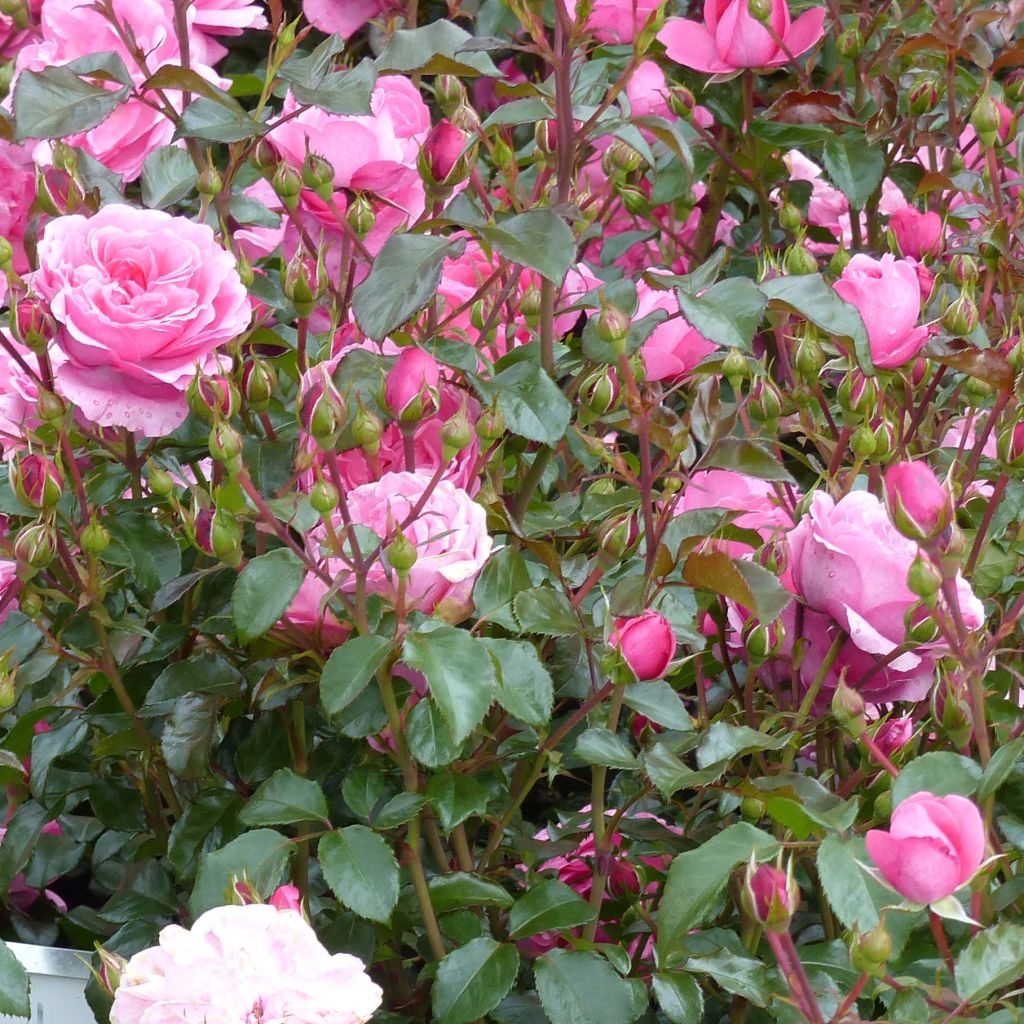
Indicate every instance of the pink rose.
{"type": "Point", "coordinates": [919, 505]}
{"type": "Point", "coordinates": [894, 734]}
{"type": "Point", "coordinates": [19, 392]}
{"type": "Point", "coordinates": [849, 564]}
{"type": "Point", "coordinates": [646, 643]}
{"type": "Point", "coordinates": [344, 17]}
{"type": "Point", "coordinates": [309, 613]}
{"type": "Point", "coordinates": [673, 348]}
{"type": "Point", "coordinates": [244, 963]}
{"type": "Point", "coordinates": [286, 897]}
{"type": "Point", "coordinates": [616, 21]}
{"type": "Point", "coordinates": [9, 587]}
{"type": "Point", "coordinates": [227, 17]}
{"type": "Point", "coordinates": [888, 297]}
{"type": "Point", "coordinates": [441, 151]}
{"type": "Point", "coordinates": [772, 896]}
{"type": "Point", "coordinates": [141, 300]}
{"type": "Point", "coordinates": [731, 38]}
{"type": "Point", "coordinates": [918, 234]}
{"type": "Point", "coordinates": [449, 535]}
{"type": "Point", "coordinates": [756, 500]}
{"type": "Point", "coordinates": [17, 194]}
{"type": "Point", "coordinates": [648, 91]}
{"type": "Point", "coordinates": [934, 845]}
{"type": "Point", "coordinates": [411, 387]}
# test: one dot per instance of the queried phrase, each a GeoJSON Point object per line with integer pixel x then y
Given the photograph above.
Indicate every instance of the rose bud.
{"type": "Point", "coordinates": [35, 326]}
{"type": "Point", "coordinates": [219, 533]}
{"type": "Point", "coordinates": [440, 160]}
{"type": "Point", "coordinates": [286, 897]}
{"type": "Point", "coordinates": [935, 844]}
{"type": "Point", "coordinates": [259, 380]}
{"type": "Point", "coordinates": [919, 506]}
{"type": "Point", "coordinates": [213, 396]}
{"type": "Point", "coordinates": [770, 895]}
{"type": "Point", "coordinates": [111, 968]}
{"type": "Point", "coordinates": [646, 643]}
{"type": "Point", "coordinates": [411, 389]}
{"type": "Point", "coordinates": [321, 408]}
{"type": "Point", "coordinates": [870, 952]}
{"type": "Point", "coordinates": [894, 734]}
{"type": "Point", "coordinates": [35, 546]}
{"type": "Point", "coordinates": [37, 482]}
{"type": "Point", "coordinates": [917, 234]}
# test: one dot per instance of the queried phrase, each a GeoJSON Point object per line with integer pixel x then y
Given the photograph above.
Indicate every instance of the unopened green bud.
{"type": "Point", "coordinates": [456, 434]}
{"type": "Point", "coordinates": [209, 183]}
{"type": "Point", "coordinates": [961, 316]}
{"type": "Point", "coordinates": [401, 554]}
{"type": "Point", "coordinates": [986, 119]}
{"type": "Point", "coordinates": [324, 497]}
{"type": "Point", "coordinates": [799, 260]}
{"type": "Point", "coordinates": [491, 424]}
{"type": "Point", "coordinates": [366, 429]}
{"type": "Point", "coordinates": [318, 175]}
{"type": "Point", "coordinates": [613, 328]}
{"type": "Point", "coordinates": [840, 261]}
{"type": "Point", "coordinates": [924, 579]}
{"type": "Point", "coordinates": [620, 158]}
{"type": "Point", "coordinates": [6, 254]}
{"type": "Point", "coordinates": [790, 217]}
{"type": "Point", "coordinates": [863, 442]}
{"type": "Point", "coordinates": [753, 809]}
{"type": "Point", "coordinates": [225, 442]}
{"type": "Point", "coordinates": [848, 709]}
{"type": "Point", "coordinates": [160, 482]}
{"type": "Point", "coordinates": [870, 952]}
{"type": "Point", "coordinates": [735, 369]}
{"type": "Point", "coordinates": [809, 357]}
{"type": "Point", "coordinates": [449, 93]}
{"type": "Point", "coordinates": [50, 407]}
{"type": "Point", "coordinates": [360, 216]}
{"type": "Point", "coordinates": [95, 537]}
{"type": "Point", "coordinates": [287, 184]}
{"type": "Point", "coordinates": [850, 44]}
{"type": "Point", "coordinates": [35, 545]}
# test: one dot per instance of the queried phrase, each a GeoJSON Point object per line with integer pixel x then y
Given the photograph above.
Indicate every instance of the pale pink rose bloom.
{"type": "Point", "coordinates": [756, 500]}
{"type": "Point", "coordinates": [616, 21]}
{"type": "Point", "coordinates": [731, 38]}
{"type": "Point", "coordinates": [257, 241]}
{"type": "Point", "coordinates": [887, 295]}
{"type": "Point", "coordinates": [228, 17]}
{"type": "Point", "coordinates": [343, 17]}
{"type": "Point", "coordinates": [17, 194]}
{"type": "Point", "coordinates": [240, 964]}
{"type": "Point", "coordinates": [674, 348]}
{"type": "Point", "coordinates": [19, 392]}
{"type": "Point", "coordinates": [449, 535]}
{"type": "Point", "coordinates": [141, 300]}
{"type": "Point", "coordinates": [935, 844]}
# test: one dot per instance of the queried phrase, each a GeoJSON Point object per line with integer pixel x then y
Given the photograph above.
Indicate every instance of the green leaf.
{"type": "Point", "coordinates": [187, 738]}
{"type": "Point", "coordinates": [999, 768]}
{"type": "Point", "coordinates": [284, 799]}
{"type": "Point", "coordinates": [13, 984]}
{"type": "Point", "coordinates": [940, 772]}
{"type": "Point", "coordinates": [264, 590]}
{"type": "Point", "coordinates": [669, 774]}
{"type": "Point", "coordinates": [55, 102]}
{"type": "Point", "coordinates": [456, 798]}
{"type": "Point", "coordinates": [538, 239]}
{"type": "Point", "coordinates": [740, 975]}
{"type": "Point", "coordinates": [992, 960]}
{"type": "Point", "coordinates": [696, 878]}
{"type": "Point", "coordinates": [259, 856]}
{"type": "Point", "coordinates": [724, 742]}
{"type": "Point", "coordinates": [848, 888]}
{"type": "Point", "coordinates": [194, 830]}
{"type": "Point", "coordinates": [548, 906]}
{"type": "Point", "coordinates": [503, 577]}
{"type": "Point", "coordinates": [771, 598]}
{"type": "Point", "coordinates": [168, 175]}
{"type": "Point", "coordinates": [598, 350]}
{"type": "Point", "coordinates": [210, 674]}
{"type": "Point", "coordinates": [657, 701]}
{"type": "Point", "coordinates": [756, 588]}
{"type": "Point", "coordinates": [23, 829]}
{"type": "Point", "coordinates": [430, 737]}
{"type": "Point", "coordinates": [472, 980]}
{"type": "Point", "coordinates": [361, 869]}
{"type": "Point", "coordinates": [598, 745]}
{"type": "Point", "coordinates": [403, 279]}
{"type": "Point", "coordinates": [440, 48]}
{"type": "Point", "coordinates": [546, 612]}
{"type": "Point", "coordinates": [679, 996]}
{"type": "Point", "coordinates": [533, 405]}
{"type": "Point", "coordinates": [525, 689]}
{"type": "Point", "coordinates": [459, 889]}
{"type": "Point", "coordinates": [728, 313]}
{"type": "Point", "coordinates": [138, 542]}
{"type": "Point", "coordinates": [811, 297]}
{"type": "Point", "coordinates": [340, 92]}
{"type": "Point", "coordinates": [581, 988]}
{"type": "Point", "coordinates": [744, 456]}
{"type": "Point", "coordinates": [460, 672]}
{"type": "Point", "coordinates": [398, 810]}
{"type": "Point", "coordinates": [855, 166]}
{"type": "Point", "coordinates": [216, 121]}
{"type": "Point", "coordinates": [349, 669]}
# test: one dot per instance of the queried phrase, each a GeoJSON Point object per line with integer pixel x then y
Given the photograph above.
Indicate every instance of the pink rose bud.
{"type": "Point", "coordinates": [935, 844]}
{"type": "Point", "coordinates": [213, 396]}
{"type": "Point", "coordinates": [411, 389]}
{"type": "Point", "coordinates": [919, 506]}
{"type": "Point", "coordinates": [321, 408]}
{"type": "Point", "coordinates": [441, 152]}
{"type": "Point", "coordinates": [37, 482]}
{"type": "Point", "coordinates": [35, 325]}
{"type": "Point", "coordinates": [770, 896]}
{"type": "Point", "coordinates": [732, 37]}
{"type": "Point", "coordinates": [918, 234]}
{"type": "Point", "coordinates": [646, 642]}
{"type": "Point", "coordinates": [286, 897]}
{"type": "Point", "coordinates": [893, 734]}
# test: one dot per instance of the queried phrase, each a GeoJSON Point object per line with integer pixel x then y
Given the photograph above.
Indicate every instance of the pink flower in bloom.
{"type": "Point", "coordinates": [918, 504]}
{"type": "Point", "coordinates": [934, 845]}
{"type": "Point", "coordinates": [731, 38]}
{"type": "Point", "coordinates": [887, 295]}
{"type": "Point", "coordinates": [849, 565]}
{"type": "Point", "coordinates": [239, 964]}
{"type": "Point", "coordinates": [19, 391]}
{"type": "Point", "coordinates": [309, 613]}
{"type": "Point", "coordinates": [141, 300]}
{"type": "Point", "coordinates": [673, 348]}
{"type": "Point", "coordinates": [344, 17]}
{"type": "Point", "coordinates": [17, 194]}
{"type": "Point", "coordinates": [648, 91]}
{"type": "Point", "coordinates": [646, 643]}
{"type": "Point", "coordinates": [449, 534]}
{"type": "Point", "coordinates": [227, 17]}
{"type": "Point", "coordinates": [918, 234]}
{"type": "Point", "coordinates": [9, 586]}
{"type": "Point", "coordinates": [616, 21]}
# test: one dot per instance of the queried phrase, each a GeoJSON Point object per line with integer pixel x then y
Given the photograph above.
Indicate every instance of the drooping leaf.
{"type": "Point", "coordinates": [940, 772]}
{"type": "Point", "coordinates": [548, 906]}
{"type": "Point", "coordinates": [680, 997]}
{"type": "Point", "coordinates": [55, 102]}
{"type": "Point", "coordinates": [525, 689]}
{"type": "Point", "coordinates": [992, 960]}
{"type": "Point", "coordinates": [440, 48]}
{"type": "Point", "coordinates": [855, 167]}
{"type": "Point", "coordinates": [728, 313]}
{"type": "Point", "coordinates": [533, 405]}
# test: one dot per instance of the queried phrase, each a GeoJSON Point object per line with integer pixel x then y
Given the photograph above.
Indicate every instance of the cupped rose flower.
{"type": "Point", "coordinates": [920, 507]}
{"type": "Point", "coordinates": [674, 348]}
{"type": "Point", "coordinates": [239, 964]}
{"type": "Point", "coordinates": [730, 38]}
{"type": "Point", "coordinates": [935, 844]}
{"type": "Point", "coordinates": [449, 536]}
{"type": "Point", "coordinates": [849, 564]}
{"type": "Point", "coordinates": [646, 643]}
{"type": "Point", "coordinates": [141, 300]}
{"type": "Point", "coordinates": [887, 295]}
{"type": "Point", "coordinates": [616, 21]}
{"type": "Point", "coordinates": [917, 234]}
